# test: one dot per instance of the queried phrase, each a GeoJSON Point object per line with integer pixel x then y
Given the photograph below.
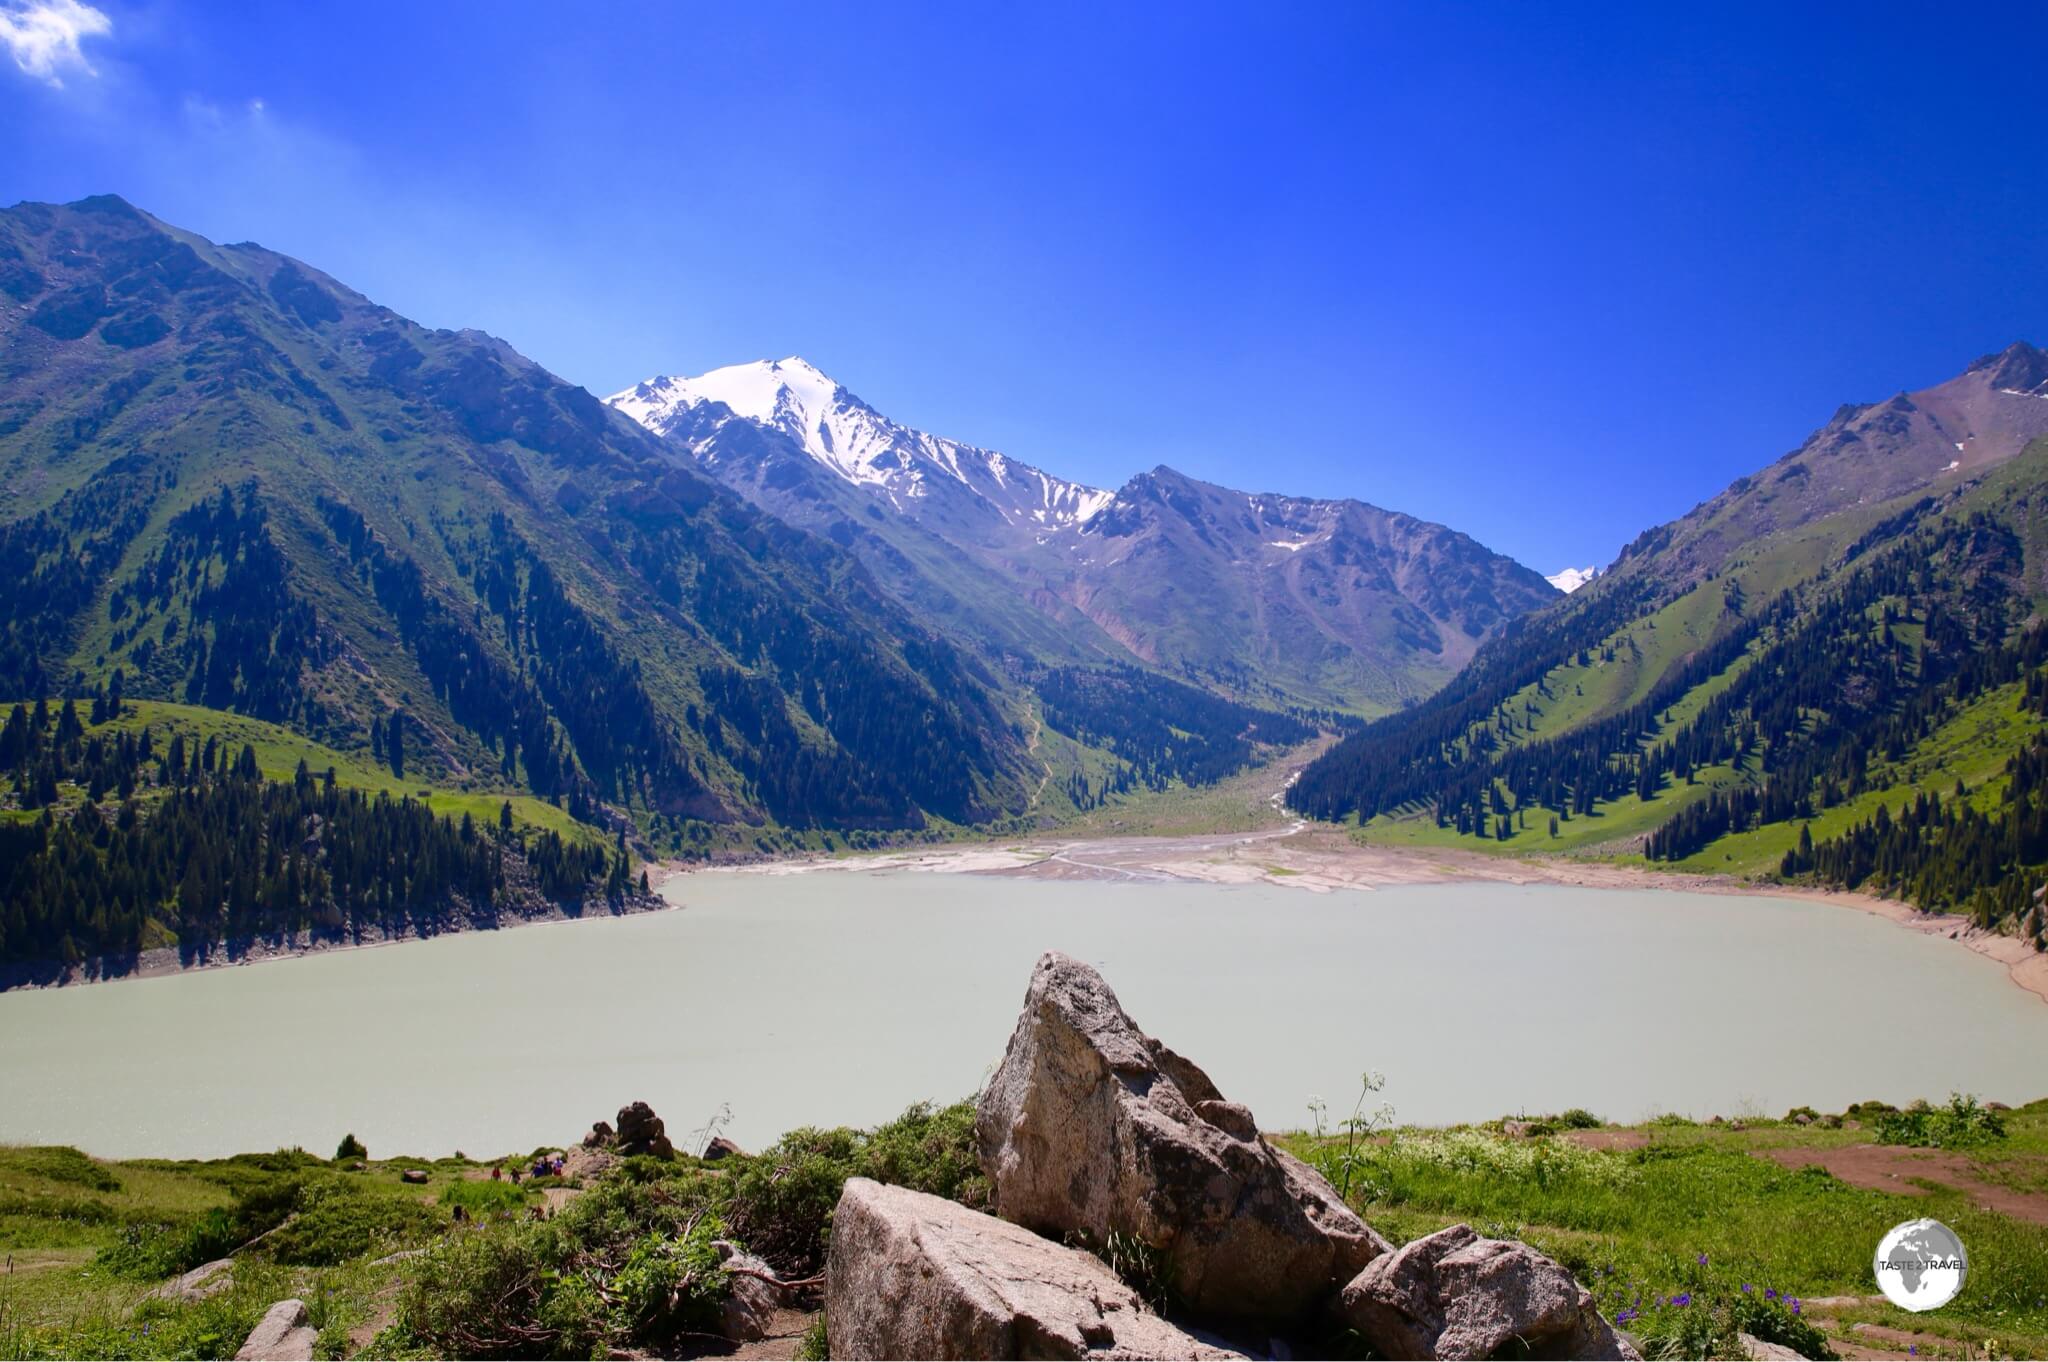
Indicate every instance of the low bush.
{"type": "Point", "coordinates": [336, 1221]}
{"type": "Point", "coordinates": [1962, 1124]}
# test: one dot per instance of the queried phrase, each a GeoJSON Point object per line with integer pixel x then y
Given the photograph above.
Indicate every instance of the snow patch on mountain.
{"type": "Point", "coordinates": [857, 442]}
{"type": "Point", "coordinates": [1571, 579]}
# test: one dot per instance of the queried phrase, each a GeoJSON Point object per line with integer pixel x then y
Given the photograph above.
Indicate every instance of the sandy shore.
{"type": "Point", "coordinates": [1324, 859]}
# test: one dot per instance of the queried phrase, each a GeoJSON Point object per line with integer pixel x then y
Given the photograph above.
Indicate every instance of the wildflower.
{"type": "Point", "coordinates": [1746, 1289]}
{"type": "Point", "coordinates": [1795, 1305]}
{"type": "Point", "coordinates": [1682, 1298]}
{"type": "Point", "coordinates": [1703, 1260]}
{"type": "Point", "coordinates": [1769, 1294]}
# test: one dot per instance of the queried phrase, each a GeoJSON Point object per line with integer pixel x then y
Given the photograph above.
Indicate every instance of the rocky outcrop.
{"type": "Point", "coordinates": [1454, 1294]}
{"type": "Point", "coordinates": [640, 1132]}
{"type": "Point", "coordinates": [1091, 1128]}
{"type": "Point", "coordinates": [208, 1279]}
{"type": "Point", "coordinates": [721, 1148]}
{"type": "Point", "coordinates": [282, 1335]}
{"type": "Point", "coordinates": [915, 1276]}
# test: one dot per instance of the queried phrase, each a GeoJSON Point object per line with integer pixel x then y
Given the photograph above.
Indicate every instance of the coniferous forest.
{"type": "Point", "coordinates": [141, 843]}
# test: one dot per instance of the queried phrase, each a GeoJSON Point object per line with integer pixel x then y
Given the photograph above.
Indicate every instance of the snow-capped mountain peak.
{"type": "Point", "coordinates": [857, 442]}
{"type": "Point", "coordinates": [1571, 579]}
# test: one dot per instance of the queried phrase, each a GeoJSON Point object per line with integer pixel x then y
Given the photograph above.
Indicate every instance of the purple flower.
{"type": "Point", "coordinates": [1795, 1305]}
{"type": "Point", "coordinates": [1683, 1298]}
{"type": "Point", "coordinates": [1746, 1289]}
{"type": "Point", "coordinates": [1703, 1260]}
{"type": "Point", "coordinates": [1769, 1294]}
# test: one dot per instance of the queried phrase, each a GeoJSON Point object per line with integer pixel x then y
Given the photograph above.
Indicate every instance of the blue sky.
{"type": "Point", "coordinates": [1547, 273]}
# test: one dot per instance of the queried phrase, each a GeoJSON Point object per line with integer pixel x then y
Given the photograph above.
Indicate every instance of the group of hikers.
{"type": "Point", "coordinates": [543, 1166]}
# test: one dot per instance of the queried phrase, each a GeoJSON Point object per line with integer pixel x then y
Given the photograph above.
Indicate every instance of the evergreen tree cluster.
{"type": "Point", "coordinates": [1815, 688]}
{"type": "Point", "coordinates": [1946, 855]}
{"type": "Point", "coordinates": [188, 842]}
{"type": "Point", "coordinates": [52, 564]}
{"type": "Point", "coordinates": [1162, 730]}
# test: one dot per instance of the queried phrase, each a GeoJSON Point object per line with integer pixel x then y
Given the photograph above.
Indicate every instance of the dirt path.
{"type": "Point", "coordinates": [1890, 1168]}
{"type": "Point", "coordinates": [1607, 1139]}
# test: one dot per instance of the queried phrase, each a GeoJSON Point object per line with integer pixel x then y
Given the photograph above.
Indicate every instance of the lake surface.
{"type": "Point", "coordinates": [843, 997]}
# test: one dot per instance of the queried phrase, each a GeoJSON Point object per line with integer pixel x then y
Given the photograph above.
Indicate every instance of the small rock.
{"type": "Point", "coordinates": [1802, 1119]}
{"type": "Point", "coordinates": [1518, 1130]}
{"type": "Point", "coordinates": [282, 1335]}
{"type": "Point", "coordinates": [1756, 1350]}
{"type": "Point", "coordinates": [721, 1148]}
{"type": "Point", "coordinates": [600, 1136]}
{"type": "Point", "coordinates": [415, 1176]}
{"type": "Point", "coordinates": [208, 1279]}
{"type": "Point", "coordinates": [750, 1301]}
{"type": "Point", "coordinates": [913, 1275]}
{"type": "Point", "coordinates": [1453, 1294]}
{"type": "Point", "coordinates": [1092, 1128]}
{"type": "Point", "coordinates": [1996, 1106]}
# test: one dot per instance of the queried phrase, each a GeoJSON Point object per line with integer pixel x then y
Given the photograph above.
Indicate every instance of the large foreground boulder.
{"type": "Point", "coordinates": [1456, 1295]}
{"type": "Point", "coordinates": [1092, 1128]}
{"type": "Point", "coordinates": [282, 1335]}
{"type": "Point", "coordinates": [915, 1276]}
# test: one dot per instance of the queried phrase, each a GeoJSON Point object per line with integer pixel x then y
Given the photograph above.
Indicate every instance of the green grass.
{"type": "Point", "coordinates": [1636, 1223]}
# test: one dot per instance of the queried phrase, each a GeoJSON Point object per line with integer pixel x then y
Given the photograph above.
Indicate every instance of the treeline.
{"type": "Point", "coordinates": [1945, 855]}
{"type": "Point", "coordinates": [1161, 730]}
{"type": "Point", "coordinates": [191, 843]}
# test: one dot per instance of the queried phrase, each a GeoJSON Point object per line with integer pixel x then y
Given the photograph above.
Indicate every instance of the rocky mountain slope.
{"type": "Point", "coordinates": [243, 485]}
{"type": "Point", "coordinates": [1326, 603]}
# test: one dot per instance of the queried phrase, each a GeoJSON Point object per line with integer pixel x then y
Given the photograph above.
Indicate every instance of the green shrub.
{"type": "Point", "coordinates": [350, 1149]}
{"type": "Point", "coordinates": [1961, 1124]}
{"type": "Point", "coordinates": [337, 1221]}
{"type": "Point", "coordinates": [481, 1199]}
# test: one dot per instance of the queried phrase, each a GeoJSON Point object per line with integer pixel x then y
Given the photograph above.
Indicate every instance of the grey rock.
{"type": "Point", "coordinates": [208, 1279]}
{"type": "Point", "coordinates": [915, 1276]}
{"type": "Point", "coordinates": [751, 1300]}
{"type": "Point", "coordinates": [583, 1165]}
{"type": "Point", "coordinates": [282, 1335]}
{"type": "Point", "coordinates": [1093, 1129]}
{"type": "Point", "coordinates": [1454, 1294]}
{"type": "Point", "coordinates": [417, 1177]}
{"type": "Point", "coordinates": [1756, 1350]}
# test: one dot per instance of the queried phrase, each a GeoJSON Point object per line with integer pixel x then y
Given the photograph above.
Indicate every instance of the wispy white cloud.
{"type": "Point", "coordinates": [46, 37]}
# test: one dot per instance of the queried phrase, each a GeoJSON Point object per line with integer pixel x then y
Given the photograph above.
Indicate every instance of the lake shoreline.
{"type": "Point", "coordinates": [1323, 860]}
{"type": "Point", "coordinates": [163, 962]}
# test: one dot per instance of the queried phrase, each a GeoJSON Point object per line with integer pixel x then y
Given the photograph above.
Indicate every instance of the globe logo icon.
{"type": "Point", "coordinates": [1921, 1265]}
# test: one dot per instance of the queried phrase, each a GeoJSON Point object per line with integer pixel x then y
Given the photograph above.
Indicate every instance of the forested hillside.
{"type": "Point", "coordinates": [251, 489]}
{"type": "Point", "coordinates": [1851, 693]}
{"type": "Point", "coordinates": [141, 840]}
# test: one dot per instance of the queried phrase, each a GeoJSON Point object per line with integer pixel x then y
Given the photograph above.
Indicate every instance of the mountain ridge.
{"type": "Point", "coordinates": [1312, 601]}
